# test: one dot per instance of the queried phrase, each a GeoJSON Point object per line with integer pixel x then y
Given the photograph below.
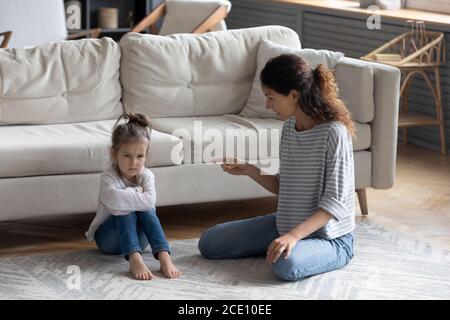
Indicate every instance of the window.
{"type": "Point", "coordinates": [440, 6]}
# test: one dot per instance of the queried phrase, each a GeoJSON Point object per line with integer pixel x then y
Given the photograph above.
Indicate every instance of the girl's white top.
{"type": "Point", "coordinates": [118, 196]}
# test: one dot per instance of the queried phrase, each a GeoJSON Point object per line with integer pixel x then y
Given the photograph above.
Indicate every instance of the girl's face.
{"type": "Point", "coordinates": [131, 158]}
{"type": "Point", "coordinates": [283, 106]}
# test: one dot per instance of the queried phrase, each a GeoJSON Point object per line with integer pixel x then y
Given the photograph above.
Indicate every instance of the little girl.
{"type": "Point", "coordinates": [126, 220]}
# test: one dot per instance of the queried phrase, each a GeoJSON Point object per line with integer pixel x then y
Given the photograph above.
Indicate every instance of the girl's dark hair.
{"type": "Point", "coordinates": [135, 128]}
{"type": "Point", "coordinates": [317, 90]}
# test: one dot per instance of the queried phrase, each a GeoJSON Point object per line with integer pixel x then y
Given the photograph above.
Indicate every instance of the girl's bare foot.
{"type": "Point", "coordinates": [167, 267]}
{"type": "Point", "coordinates": [138, 267]}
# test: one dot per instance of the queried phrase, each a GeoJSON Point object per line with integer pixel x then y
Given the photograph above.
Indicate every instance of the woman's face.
{"type": "Point", "coordinates": [283, 106]}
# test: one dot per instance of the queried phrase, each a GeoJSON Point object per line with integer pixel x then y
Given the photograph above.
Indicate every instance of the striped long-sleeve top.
{"type": "Point", "coordinates": [316, 171]}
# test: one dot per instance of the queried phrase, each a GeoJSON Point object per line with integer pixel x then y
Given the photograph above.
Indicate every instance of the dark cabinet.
{"type": "Point", "coordinates": [129, 13]}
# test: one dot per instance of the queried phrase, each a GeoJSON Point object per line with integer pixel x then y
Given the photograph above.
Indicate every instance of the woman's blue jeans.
{"type": "Point", "coordinates": [251, 237]}
{"type": "Point", "coordinates": [125, 234]}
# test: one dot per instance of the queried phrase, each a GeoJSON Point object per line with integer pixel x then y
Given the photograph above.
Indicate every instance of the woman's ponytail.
{"type": "Point", "coordinates": [322, 80]}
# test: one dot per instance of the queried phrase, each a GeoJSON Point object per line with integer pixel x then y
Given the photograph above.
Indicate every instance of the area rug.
{"type": "Point", "coordinates": [387, 265]}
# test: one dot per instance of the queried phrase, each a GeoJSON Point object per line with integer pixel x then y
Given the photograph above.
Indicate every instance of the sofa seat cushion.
{"type": "Point", "coordinates": [361, 142]}
{"type": "Point", "coordinates": [31, 150]}
{"type": "Point", "coordinates": [363, 138]}
{"type": "Point", "coordinates": [206, 139]}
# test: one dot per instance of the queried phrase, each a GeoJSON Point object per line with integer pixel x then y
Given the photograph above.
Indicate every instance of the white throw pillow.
{"type": "Point", "coordinates": [256, 103]}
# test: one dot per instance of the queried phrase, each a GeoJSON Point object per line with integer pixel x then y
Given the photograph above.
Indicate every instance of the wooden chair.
{"type": "Point", "coordinates": [418, 52]}
{"type": "Point", "coordinates": [34, 23]}
{"type": "Point", "coordinates": [186, 16]}
{"type": "Point", "coordinates": [6, 36]}
{"type": "Point", "coordinates": [91, 33]}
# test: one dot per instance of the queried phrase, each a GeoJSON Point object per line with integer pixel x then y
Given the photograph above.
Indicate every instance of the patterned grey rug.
{"type": "Point", "coordinates": [387, 265]}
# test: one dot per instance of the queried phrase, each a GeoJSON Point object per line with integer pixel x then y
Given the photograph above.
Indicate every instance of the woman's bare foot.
{"type": "Point", "coordinates": [167, 267]}
{"type": "Point", "coordinates": [138, 267]}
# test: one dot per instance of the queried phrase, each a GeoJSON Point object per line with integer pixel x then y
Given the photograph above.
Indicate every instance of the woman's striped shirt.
{"type": "Point", "coordinates": [316, 171]}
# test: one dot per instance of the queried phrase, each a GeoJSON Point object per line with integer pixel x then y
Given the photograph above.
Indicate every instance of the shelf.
{"type": "Point", "coordinates": [75, 30]}
{"type": "Point", "coordinates": [89, 15]}
{"type": "Point", "coordinates": [411, 119]}
{"type": "Point", "coordinates": [117, 30]}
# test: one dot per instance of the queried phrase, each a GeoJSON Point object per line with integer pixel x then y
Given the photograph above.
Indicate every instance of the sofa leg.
{"type": "Point", "coordinates": [362, 201]}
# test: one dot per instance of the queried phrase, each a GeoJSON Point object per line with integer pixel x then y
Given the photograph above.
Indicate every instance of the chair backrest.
{"type": "Point", "coordinates": [182, 16]}
{"type": "Point", "coordinates": [32, 22]}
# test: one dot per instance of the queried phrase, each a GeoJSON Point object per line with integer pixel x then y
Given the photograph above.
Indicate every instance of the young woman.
{"type": "Point", "coordinates": [311, 232]}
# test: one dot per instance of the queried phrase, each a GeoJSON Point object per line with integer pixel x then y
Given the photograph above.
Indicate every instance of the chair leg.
{"type": "Point", "coordinates": [362, 201]}
{"type": "Point", "coordinates": [405, 135]}
{"type": "Point", "coordinates": [404, 107]}
{"type": "Point", "coordinates": [440, 115]}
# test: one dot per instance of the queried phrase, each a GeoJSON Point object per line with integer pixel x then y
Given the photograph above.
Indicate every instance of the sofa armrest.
{"type": "Point", "coordinates": [386, 92]}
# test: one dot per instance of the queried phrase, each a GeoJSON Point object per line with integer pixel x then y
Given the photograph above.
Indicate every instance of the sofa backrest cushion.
{"type": "Point", "coordinates": [355, 81]}
{"type": "Point", "coordinates": [193, 74]}
{"type": "Point", "coordinates": [61, 82]}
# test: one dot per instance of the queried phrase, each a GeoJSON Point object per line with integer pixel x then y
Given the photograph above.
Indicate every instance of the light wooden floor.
{"type": "Point", "coordinates": [418, 204]}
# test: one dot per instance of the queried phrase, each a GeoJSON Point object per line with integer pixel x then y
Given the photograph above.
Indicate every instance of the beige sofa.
{"type": "Point", "coordinates": [58, 103]}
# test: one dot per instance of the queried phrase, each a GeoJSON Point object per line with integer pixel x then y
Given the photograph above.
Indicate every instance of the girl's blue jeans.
{"type": "Point", "coordinates": [251, 237]}
{"type": "Point", "coordinates": [125, 234]}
